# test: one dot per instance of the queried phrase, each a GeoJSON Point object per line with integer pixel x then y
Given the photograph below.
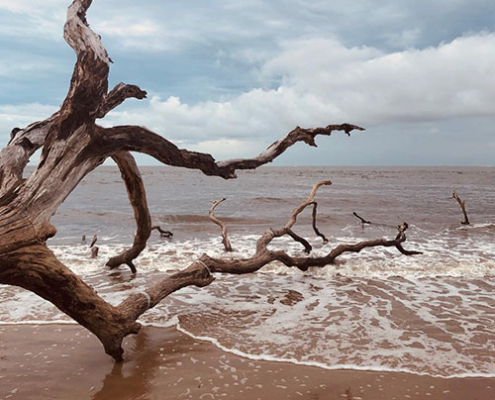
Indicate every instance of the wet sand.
{"type": "Point", "coordinates": [66, 362]}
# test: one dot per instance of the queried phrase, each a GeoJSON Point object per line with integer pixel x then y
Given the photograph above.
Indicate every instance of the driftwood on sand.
{"type": "Point", "coordinates": [73, 145]}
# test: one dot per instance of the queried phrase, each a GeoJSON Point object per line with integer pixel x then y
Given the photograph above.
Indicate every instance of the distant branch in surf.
{"type": "Point", "coordinates": [363, 221]}
{"type": "Point", "coordinates": [221, 224]}
{"type": "Point", "coordinates": [264, 255]}
{"type": "Point", "coordinates": [315, 228]}
{"type": "Point", "coordinates": [163, 233]}
{"type": "Point", "coordinates": [462, 204]}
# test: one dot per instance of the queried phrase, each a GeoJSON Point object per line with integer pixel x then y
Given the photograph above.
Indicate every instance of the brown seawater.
{"type": "Point", "coordinates": [378, 310]}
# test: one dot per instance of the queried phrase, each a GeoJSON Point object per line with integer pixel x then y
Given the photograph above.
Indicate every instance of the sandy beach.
{"type": "Point", "coordinates": [67, 362]}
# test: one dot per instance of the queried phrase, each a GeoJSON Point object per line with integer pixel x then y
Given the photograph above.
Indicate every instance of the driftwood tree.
{"type": "Point", "coordinates": [73, 145]}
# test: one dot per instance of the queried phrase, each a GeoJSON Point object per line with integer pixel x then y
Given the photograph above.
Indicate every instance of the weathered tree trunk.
{"type": "Point", "coordinates": [73, 145]}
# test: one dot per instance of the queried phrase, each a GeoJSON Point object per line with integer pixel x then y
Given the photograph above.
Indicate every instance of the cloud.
{"type": "Point", "coordinates": [34, 67]}
{"type": "Point", "coordinates": [452, 80]}
{"type": "Point", "coordinates": [144, 34]}
{"type": "Point", "coordinates": [12, 116]}
{"type": "Point", "coordinates": [32, 21]}
{"type": "Point", "coordinates": [322, 81]}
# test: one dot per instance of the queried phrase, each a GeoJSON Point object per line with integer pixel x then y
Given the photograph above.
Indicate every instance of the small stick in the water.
{"type": "Point", "coordinates": [83, 239]}
{"type": "Point", "coordinates": [221, 224]}
{"type": "Point", "coordinates": [315, 228]}
{"type": "Point", "coordinates": [363, 221]}
{"type": "Point", "coordinates": [166, 234]}
{"type": "Point", "coordinates": [94, 252]}
{"type": "Point", "coordinates": [95, 238]}
{"type": "Point", "coordinates": [401, 237]}
{"type": "Point", "coordinates": [462, 204]}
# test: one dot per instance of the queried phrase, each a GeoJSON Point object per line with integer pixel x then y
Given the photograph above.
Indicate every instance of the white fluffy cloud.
{"type": "Point", "coordinates": [452, 80]}
{"type": "Point", "coordinates": [322, 81]}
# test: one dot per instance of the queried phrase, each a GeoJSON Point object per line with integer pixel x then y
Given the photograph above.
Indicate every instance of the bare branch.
{"type": "Point", "coordinates": [135, 138]}
{"type": "Point", "coordinates": [94, 240]}
{"type": "Point", "coordinates": [304, 242]}
{"type": "Point", "coordinates": [221, 224]}
{"type": "Point", "coordinates": [117, 96]}
{"type": "Point", "coordinates": [299, 209]}
{"type": "Point", "coordinates": [462, 204]}
{"type": "Point", "coordinates": [137, 196]}
{"type": "Point", "coordinates": [196, 274]}
{"type": "Point", "coordinates": [315, 228]}
{"type": "Point", "coordinates": [23, 144]}
{"type": "Point", "coordinates": [296, 135]}
{"type": "Point", "coordinates": [264, 256]}
{"type": "Point", "coordinates": [163, 233]}
{"type": "Point", "coordinates": [363, 221]}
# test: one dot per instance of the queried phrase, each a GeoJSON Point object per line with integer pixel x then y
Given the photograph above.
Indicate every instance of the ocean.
{"type": "Point", "coordinates": [377, 310]}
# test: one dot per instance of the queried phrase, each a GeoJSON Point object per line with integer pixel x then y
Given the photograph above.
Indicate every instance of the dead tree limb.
{"type": "Point", "coordinates": [93, 241]}
{"type": "Point", "coordinates": [163, 233]}
{"type": "Point", "coordinates": [221, 224]}
{"type": "Point", "coordinates": [462, 204]}
{"type": "Point", "coordinates": [315, 228]}
{"type": "Point", "coordinates": [304, 242]}
{"type": "Point", "coordinates": [363, 221]}
{"type": "Point", "coordinates": [136, 138]}
{"type": "Point", "coordinates": [264, 255]}
{"type": "Point", "coordinates": [137, 196]}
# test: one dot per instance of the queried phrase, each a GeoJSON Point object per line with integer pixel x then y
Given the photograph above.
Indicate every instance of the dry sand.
{"type": "Point", "coordinates": [66, 362]}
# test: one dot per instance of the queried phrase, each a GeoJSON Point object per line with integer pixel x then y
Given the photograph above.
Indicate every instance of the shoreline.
{"type": "Point", "coordinates": [65, 361]}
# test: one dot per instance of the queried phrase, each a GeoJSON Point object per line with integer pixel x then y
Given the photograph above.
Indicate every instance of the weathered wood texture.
{"type": "Point", "coordinates": [72, 146]}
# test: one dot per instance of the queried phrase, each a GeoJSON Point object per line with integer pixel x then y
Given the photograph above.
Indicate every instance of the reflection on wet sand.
{"type": "Point", "coordinates": [133, 379]}
{"type": "Point", "coordinates": [65, 362]}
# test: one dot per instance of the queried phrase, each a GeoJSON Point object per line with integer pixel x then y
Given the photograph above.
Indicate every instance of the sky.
{"type": "Point", "coordinates": [229, 77]}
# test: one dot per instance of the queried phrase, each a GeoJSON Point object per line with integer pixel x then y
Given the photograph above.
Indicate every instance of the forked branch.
{"type": "Point", "coordinates": [136, 138]}
{"type": "Point", "coordinates": [264, 256]}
